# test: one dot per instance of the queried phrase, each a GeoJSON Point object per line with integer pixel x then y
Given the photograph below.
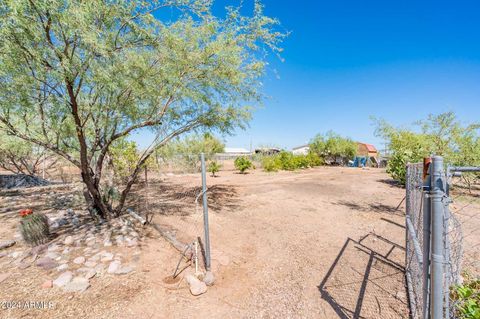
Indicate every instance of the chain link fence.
{"type": "Point", "coordinates": [414, 238]}
{"type": "Point", "coordinates": [443, 240]}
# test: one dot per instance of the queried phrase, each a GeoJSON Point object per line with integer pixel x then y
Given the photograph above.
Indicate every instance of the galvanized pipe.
{"type": "Point", "coordinates": [427, 172]}
{"type": "Point", "coordinates": [437, 193]}
{"type": "Point", "coordinates": [205, 214]}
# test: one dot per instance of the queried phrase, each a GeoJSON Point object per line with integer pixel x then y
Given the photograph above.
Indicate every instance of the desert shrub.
{"type": "Point", "coordinates": [214, 167]}
{"type": "Point", "coordinates": [242, 164]}
{"type": "Point", "coordinates": [271, 164]}
{"type": "Point", "coordinates": [314, 160]}
{"type": "Point", "coordinates": [289, 162]}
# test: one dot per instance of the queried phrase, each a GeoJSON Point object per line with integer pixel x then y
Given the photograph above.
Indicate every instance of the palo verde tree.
{"type": "Point", "coordinates": [440, 134]}
{"type": "Point", "coordinates": [333, 146]}
{"type": "Point", "coordinates": [76, 76]}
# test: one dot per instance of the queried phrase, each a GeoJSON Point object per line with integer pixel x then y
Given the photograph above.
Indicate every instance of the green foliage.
{"type": "Point", "coordinates": [332, 146]}
{"type": "Point", "coordinates": [214, 167]}
{"type": "Point", "coordinates": [440, 134]}
{"type": "Point", "coordinates": [76, 76]}
{"type": "Point", "coordinates": [242, 164]}
{"type": "Point", "coordinates": [185, 151]}
{"type": "Point", "coordinates": [34, 229]}
{"type": "Point", "coordinates": [467, 299]}
{"type": "Point", "coordinates": [125, 156]}
{"type": "Point", "coordinates": [289, 162]}
{"type": "Point", "coordinates": [20, 157]}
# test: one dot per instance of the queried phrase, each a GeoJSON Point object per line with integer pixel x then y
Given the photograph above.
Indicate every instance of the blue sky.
{"type": "Point", "coordinates": [348, 60]}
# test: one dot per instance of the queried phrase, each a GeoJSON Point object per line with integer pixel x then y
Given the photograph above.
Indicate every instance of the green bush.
{"type": "Point", "coordinates": [242, 164]}
{"type": "Point", "coordinates": [467, 299]}
{"type": "Point", "coordinates": [271, 164]}
{"type": "Point", "coordinates": [214, 167]}
{"type": "Point", "coordinates": [440, 134]}
{"type": "Point", "coordinates": [289, 162]}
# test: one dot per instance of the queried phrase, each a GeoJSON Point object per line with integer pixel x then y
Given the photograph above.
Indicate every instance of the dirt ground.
{"type": "Point", "coordinates": [319, 243]}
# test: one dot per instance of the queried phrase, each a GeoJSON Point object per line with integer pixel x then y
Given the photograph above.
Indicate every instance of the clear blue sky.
{"type": "Point", "coordinates": [348, 60]}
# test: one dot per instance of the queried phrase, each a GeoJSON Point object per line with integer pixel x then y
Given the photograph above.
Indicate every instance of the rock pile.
{"type": "Point", "coordinates": [21, 180]}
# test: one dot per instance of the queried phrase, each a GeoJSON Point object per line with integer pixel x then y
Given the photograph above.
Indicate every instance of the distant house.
{"type": "Point", "coordinates": [232, 153]}
{"type": "Point", "coordinates": [301, 150]}
{"type": "Point", "coordinates": [367, 150]}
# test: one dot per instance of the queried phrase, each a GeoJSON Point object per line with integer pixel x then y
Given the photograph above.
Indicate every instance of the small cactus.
{"type": "Point", "coordinates": [34, 228]}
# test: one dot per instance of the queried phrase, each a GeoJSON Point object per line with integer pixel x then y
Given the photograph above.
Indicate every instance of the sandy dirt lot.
{"type": "Point", "coordinates": [319, 243]}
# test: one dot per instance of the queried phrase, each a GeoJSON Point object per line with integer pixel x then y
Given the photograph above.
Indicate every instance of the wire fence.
{"type": "Point", "coordinates": [172, 197]}
{"type": "Point", "coordinates": [443, 240]}
{"type": "Point", "coordinates": [414, 239]}
{"type": "Point", "coordinates": [463, 244]}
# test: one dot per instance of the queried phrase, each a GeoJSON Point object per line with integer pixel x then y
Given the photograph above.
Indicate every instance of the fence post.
{"type": "Point", "coordinates": [427, 171]}
{"type": "Point", "coordinates": [437, 248]}
{"type": "Point", "coordinates": [205, 214]}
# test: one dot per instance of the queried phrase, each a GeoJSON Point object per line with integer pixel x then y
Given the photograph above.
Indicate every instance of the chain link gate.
{"type": "Point", "coordinates": [434, 239]}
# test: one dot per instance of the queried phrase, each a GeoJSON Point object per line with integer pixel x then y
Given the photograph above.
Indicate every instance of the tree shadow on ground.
{"type": "Point", "coordinates": [366, 280]}
{"type": "Point", "coordinates": [373, 207]}
{"type": "Point", "coordinates": [391, 182]}
{"type": "Point", "coordinates": [170, 199]}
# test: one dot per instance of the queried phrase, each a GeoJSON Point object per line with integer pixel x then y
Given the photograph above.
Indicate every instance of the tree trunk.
{"type": "Point", "coordinates": [96, 205]}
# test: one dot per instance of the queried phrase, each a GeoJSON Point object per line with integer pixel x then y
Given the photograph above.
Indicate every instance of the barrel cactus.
{"type": "Point", "coordinates": [34, 227]}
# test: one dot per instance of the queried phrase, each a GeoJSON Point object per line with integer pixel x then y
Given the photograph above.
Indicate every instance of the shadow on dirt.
{"type": "Point", "coordinates": [391, 182]}
{"type": "Point", "coordinates": [366, 279]}
{"type": "Point", "coordinates": [171, 199]}
{"type": "Point", "coordinates": [373, 207]}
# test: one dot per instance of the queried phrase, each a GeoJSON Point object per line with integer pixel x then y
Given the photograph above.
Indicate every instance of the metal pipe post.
{"type": "Point", "coordinates": [437, 193]}
{"type": "Point", "coordinates": [205, 213]}
{"type": "Point", "coordinates": [427, 171]}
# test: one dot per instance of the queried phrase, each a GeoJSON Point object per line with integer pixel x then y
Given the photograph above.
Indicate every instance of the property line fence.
{"type": "Point", "coordinates": [174, 198]}
{"type": "Point", "coordinates": [442, 206]}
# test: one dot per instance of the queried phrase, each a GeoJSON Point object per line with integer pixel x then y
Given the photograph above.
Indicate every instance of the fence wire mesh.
{"type": "Point", "coordinates": [169, 193]}
{"type": "Point", "coordinates": [414, 239]}
{"type": "Point", "coordinates": [462, 242]}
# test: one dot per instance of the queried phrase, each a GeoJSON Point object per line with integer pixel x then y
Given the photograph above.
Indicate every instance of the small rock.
{"type": "Point", "coordinates": [79, 260]}
{"type": "Point", "coordinates": [90, 274]}
{"type": "Point", "coordinates": [90, 264]}
{"type": "Point", "coordinates": [63, 279]}
{"type": "Point", "coordinates": [107, 243]}
{"type": "Point", "coordinates": [94, 258]}
{"type": "Point", "coordinates": [124, 270]}
{"type": "Point", "coordinates": [62, 267]}
{"type": "Point", "coordinates": [52, 255]}
{"type": "Point", "coordinates": [131, 242]}
{"type": "Point", "coordinates": [106, 257]}
{"type": "Point", "coordinates": [24, 265]}
{"type": "Point", "coordinates": [61, 222]}
{"type": "Point", "coordinates": [47, 284]}
{"type": "Point", "coordinates": [3, 255]}
{"type": "Point", "coordinates": [114, 266]}
{"type": "Point", "coordinates": [46, 263]}
{"type": "Point", "coordinates": [39, 249]}
{"type": "Point", "coordinates": [78, 284]}
{"type": "Point", "coordinates": [209, 279]}
{"type": "Point", "coordinates": [197, 287]}
{"type": "Point", "coordinates": [3, 277]}
{"type": "Point", "coordinates": [53, 248]}
{"type": "Point", "coordinates": [15, 254]}
{"type": "Point", "coordinates": [99, 268]}
{"type": "Point", "coordinates": [7, 244]}
{"type": "Point", "coordinates": [223, 260]}
{"type": "Point", "coordinates": [66, 251]}
{"type": "Point", "coordinates": [134, 234]}
{"type": "Point", "coordinates": [68, 240]}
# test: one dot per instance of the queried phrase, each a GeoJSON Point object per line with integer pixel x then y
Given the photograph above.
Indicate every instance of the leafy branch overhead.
{"type": "Point", "coordinates": [76, 76]}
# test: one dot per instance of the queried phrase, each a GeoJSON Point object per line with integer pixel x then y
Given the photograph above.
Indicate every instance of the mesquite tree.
{"type": "Point", "coordinates": [76, 76]}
